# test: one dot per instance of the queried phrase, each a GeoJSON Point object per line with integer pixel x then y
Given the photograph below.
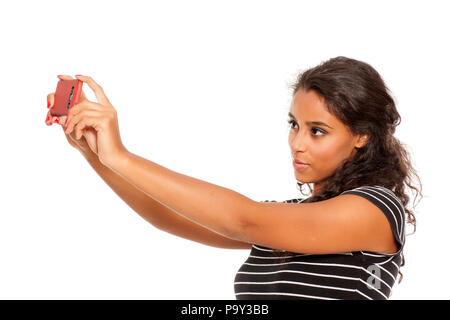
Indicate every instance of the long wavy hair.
{"type": "Point", "coordinates": [356, 94]}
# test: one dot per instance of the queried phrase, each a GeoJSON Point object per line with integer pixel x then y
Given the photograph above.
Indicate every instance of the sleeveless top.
{"type": "Point", "coordinates": [348, 275]}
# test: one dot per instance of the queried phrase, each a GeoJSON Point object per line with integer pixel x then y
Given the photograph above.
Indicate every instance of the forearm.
{"type": "Point", "coordinates": [151, 210]}
{"type": "Point", "coordinates": [214, 207]}
{"type": "Point", "coordinates": [156, 213]}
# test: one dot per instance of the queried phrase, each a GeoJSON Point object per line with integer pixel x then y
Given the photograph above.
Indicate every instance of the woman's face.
{"type": "Point", "coordinates": [323, 146]}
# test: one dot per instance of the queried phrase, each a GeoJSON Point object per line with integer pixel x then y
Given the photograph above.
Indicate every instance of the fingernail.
{"type": "Point", "coordinates": [79, 75]}
{"type": "Point", "coordinates": [48, 117]}
{"type": "Point", "coordinates": [48, 104]}
{"type": "Point", "coordinates": [66, 121]}
{"type": "Point", "coordinates": [56, 120]}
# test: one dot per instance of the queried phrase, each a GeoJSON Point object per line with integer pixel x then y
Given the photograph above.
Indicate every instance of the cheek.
{"type": "Point", "coordinates": [328, 155]}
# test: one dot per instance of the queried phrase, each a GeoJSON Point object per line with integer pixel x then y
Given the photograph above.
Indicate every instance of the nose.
{"type": "Point", "coordinates": [298, 142]}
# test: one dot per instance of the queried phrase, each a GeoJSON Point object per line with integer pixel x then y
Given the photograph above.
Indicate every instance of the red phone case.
{"type": "Point", "coordinates": [67, 94]}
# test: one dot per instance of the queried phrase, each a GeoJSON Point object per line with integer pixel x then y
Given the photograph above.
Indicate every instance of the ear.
{"type": "Point", "coordinates": [362, 141]}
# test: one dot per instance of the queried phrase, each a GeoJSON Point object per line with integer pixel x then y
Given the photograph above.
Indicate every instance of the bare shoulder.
{"type": "Point", "coordinates": [381, 235]}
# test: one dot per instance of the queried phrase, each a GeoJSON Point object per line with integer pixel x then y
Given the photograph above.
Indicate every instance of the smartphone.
{"type": "Point", "coordinates": [67, 94]}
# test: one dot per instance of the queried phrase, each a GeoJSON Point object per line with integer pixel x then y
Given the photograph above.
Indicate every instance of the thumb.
{"type": "Point", "coordinates": [62, 121]}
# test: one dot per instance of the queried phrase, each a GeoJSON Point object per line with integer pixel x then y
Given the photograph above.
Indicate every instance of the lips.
{"type": "Point", "coordinates": [300, 162]}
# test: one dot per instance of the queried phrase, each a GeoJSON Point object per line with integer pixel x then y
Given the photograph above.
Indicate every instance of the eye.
{"type": "Point", "coordinates": [318, 130]}
{"type": "Point", "coordinates": [292, 122]}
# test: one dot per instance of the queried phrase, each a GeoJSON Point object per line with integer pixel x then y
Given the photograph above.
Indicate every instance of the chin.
{"type": "Point", "coordinates": [301, 179]}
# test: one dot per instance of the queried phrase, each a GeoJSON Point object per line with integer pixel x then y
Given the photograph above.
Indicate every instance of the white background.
{"type": "Point", "coordinates": [200, 87]}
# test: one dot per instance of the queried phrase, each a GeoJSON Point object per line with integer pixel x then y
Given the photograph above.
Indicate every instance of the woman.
{"type": "Point", "coordinates": [343, 242]}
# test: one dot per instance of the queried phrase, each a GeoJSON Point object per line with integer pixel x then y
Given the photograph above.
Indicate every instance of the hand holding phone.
{"type": "Point", "coordinates": [88, 143]}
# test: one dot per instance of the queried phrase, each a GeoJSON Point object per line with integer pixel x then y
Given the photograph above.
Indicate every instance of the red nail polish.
{"type": "Point", "coordinates": [48, 104]}
{"type": "Point", "coordinates": [48, 117]}
{"type": "Point", "coordinates": [57, 120]}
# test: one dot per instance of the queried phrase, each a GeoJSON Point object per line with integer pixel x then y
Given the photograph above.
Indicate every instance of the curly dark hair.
{"type": "Point", "coordinates": [356, 94]}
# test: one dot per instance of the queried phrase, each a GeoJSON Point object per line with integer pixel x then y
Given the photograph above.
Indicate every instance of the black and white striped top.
{"type": "Point", "coordinates": [349, 275]}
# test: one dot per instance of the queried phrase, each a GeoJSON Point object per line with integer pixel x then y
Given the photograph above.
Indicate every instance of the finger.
{"type": "Point", "coordinates": [73, 121]}
{"type": "Point", "coordinates": [98, 90]}
{"type": "Point", "coordinates": [70, 137]}
{"type": "Point", "coordinates": [78, 130]}
{"type": "Point", "coordinates": [76, 109]}
{"type": "Point", "coordinates": [64, 77]}
{"type": "Point", "coordinates": [50, 100]}
{"type": "Point", "coordinates": [50, 103]}
{"type": "Point", "coordinates": [54, 119]}
{"type": "Point", "coordinates": [82, 106]}
{"type": "Point", "coordinates": [64, 130]}
{"type": "Point", "coordinates": [63, 120]}
{"type": "Point", "coordinates": [91, 121]}
{"type": "Point", "coordinates": [48, 120]}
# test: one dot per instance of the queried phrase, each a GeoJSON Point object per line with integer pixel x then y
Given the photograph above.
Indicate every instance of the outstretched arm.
{"type": "Point", "coordinates": [159, 215]}
{"type": "Point", "coordinates": [216, 208]}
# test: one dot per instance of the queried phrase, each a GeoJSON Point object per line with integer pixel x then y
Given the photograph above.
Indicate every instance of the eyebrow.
{"type": "Point", "coordinates": [317, 123]}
